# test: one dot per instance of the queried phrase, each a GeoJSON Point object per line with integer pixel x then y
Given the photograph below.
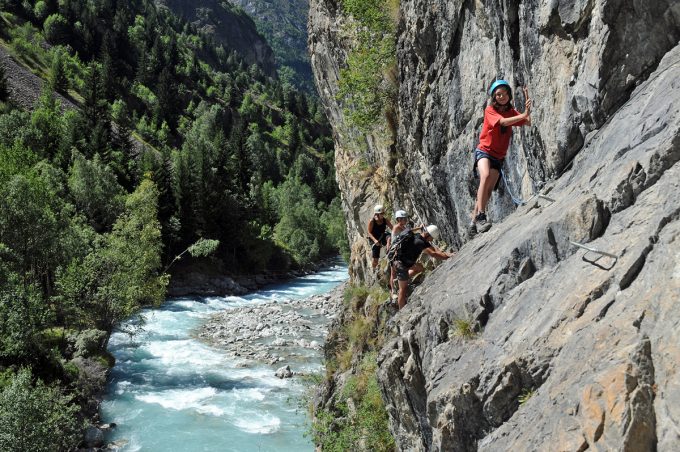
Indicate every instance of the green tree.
{"type": "Point", "coordinates": [336, 231]}
{"type": "Point", "coordinates": [122, 273]}
{"type": "Point", "coordinates": [40, 10]}
{"type": "Point", "coordinates": [22, 315]}
{"type": "Point", "coordinates": [58, 81]}
{"type": "Point", "coordinates": [299, 230]}
{"type": "Point", "coordinates": [56, 29]}
{"type": "Point", "coordinates": [95, 191]}
{"type": "Point", "coordinates": [95, 115]}
{"type": "Point", "coordinates": [30, 226]}
{"type": "Point", "coordinates": [48, 127]}
{"type": "Point", "coordinates": [36, 417]}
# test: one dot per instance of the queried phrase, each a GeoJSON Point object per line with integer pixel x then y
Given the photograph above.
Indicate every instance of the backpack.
{"type": "Point", "coordinates": [405, 237]}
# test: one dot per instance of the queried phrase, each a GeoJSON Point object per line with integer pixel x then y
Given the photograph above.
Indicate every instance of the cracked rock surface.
{"type": "Point", "coordinates": [573, 350]}
{"type": "Point", "coordinates": [582, 351]}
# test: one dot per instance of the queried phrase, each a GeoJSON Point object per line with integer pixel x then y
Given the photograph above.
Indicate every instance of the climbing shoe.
{"type": "Point", "coordinates": [482, 223]}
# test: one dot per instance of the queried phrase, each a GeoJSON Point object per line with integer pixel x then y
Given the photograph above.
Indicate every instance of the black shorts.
{"type": "Point", "coordinates": [496, 164]}
{"type": "Point", "coordinates": [375, 248]}
{"type": "Point", "coordinates": [401, 270]}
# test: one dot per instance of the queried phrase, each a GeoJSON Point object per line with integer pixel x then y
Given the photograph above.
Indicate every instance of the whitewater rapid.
{"type": "Point", "coordinates": [170, 392]}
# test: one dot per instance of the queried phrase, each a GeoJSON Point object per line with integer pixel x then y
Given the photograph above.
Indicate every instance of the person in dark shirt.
{"type": "Point", "coordinates": [377, 233]}
{"type": "Point", "coordinates": [405, 265]}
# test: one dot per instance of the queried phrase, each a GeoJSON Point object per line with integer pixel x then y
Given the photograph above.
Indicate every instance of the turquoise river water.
{"type": "Point", "coordinates": [170, 392]}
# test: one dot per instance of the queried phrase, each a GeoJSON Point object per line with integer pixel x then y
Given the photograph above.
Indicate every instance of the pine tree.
{"type": "Point", "coordinates": [166, 93]}
{"type": "Point", "coordinates": [58, 81]}
{"type": "Point", "coordinates": [95, 114]}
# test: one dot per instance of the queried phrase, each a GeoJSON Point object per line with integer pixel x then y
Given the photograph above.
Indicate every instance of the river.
{"type": "Point", "coordinates": [171, 392]}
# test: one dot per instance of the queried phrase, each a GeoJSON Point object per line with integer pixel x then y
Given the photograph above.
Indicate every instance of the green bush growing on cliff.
{"type": "Point", "coordinates": [361, 420]}
{"type": "Point", "coordinates": [366, 82]}
{"type": "Point", "coordinates": [357, 420]}
{"type": "Point", "coordinates": [36, 417]}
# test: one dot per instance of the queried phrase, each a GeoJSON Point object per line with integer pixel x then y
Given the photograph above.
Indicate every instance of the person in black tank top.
{"type": "Point", "coordinates": [406, 264]}
{"type": "Point", "coordinates": [377, 233]}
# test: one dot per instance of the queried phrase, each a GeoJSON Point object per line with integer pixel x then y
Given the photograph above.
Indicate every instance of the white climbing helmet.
{"type": "Point", "coordinates": [378, 209]}
{"type": "Point", "coordinates": [400, 214]}
{"type": "Point", "coordinates": [433, 231]}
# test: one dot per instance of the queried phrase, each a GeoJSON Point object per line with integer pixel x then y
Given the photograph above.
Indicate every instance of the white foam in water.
{"type": "Point", "coordinates": [179, 399]}
{"type": "Point", "coordinates": [211, 410]}
{"type": "Point", "coordinates": [122, 386]}
{"type": "Point", "coordinates": [185, 355]}
{"type": "Point", "coordinates": [245, 404]}
{"type": "Point", "coordinates": [257, 423]}
{"type": "Point", "coordinates": [250, 394]}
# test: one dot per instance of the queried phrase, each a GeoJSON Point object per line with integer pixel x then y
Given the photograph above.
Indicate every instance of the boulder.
{"type": "Point", "coordinates": [284, 372]}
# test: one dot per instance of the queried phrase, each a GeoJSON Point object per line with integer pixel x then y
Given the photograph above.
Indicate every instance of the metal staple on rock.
{"type": "Point", "coordinates": [596, 251]}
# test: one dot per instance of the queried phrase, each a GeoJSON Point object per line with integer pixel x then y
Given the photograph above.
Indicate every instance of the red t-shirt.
{"type": "Point", "coordinates": [491, 140]}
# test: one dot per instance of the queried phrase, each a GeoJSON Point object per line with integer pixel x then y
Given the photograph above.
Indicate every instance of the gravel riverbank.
{"type": "Point", "coordinates": [282, 334]}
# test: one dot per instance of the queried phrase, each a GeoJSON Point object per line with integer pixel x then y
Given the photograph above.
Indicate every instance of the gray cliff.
{"type": "Point", "coordinates": [574, 350]}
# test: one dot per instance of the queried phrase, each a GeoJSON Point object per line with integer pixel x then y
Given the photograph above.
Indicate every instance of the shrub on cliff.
{"type": "Point", "coordinates": [36, 417]}
{"type": "Point", "coordinates": [367, 83]}
{"type": "Point", "coordinates": [358, 421]}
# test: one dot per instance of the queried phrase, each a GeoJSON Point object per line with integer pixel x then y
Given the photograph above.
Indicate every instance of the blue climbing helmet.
{"type": "Point", "coordinates": [498, 83]}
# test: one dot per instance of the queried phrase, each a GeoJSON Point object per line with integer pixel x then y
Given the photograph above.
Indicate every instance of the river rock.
{"type": "Point", "coordinates": [294, 329]}
{"type": "Point", "coordinates": [94, 437]}
{"type": "Point", "coordinates": [284, 372]}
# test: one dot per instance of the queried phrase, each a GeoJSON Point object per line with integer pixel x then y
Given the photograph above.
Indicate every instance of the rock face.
{"type": "Point", "coordinates": [361, 160]}
{"type": "Point", "coordinates": [580, 59]}
{"type": "Point", "coordinates": [574, 350]}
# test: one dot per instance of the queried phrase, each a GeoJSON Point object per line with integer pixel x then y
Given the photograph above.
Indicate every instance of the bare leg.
{"type": "Point", "coordinates": [487, 180]}
{"type": "Point", "coordinates": [391, 279]}
{"type": "Point", "coordinates": [403, 287]}
{"type": "Point", "coordinates": [417, 268]}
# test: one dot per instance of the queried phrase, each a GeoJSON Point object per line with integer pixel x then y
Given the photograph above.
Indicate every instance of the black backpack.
{"type": "Point", "coordinates": [405, 238]}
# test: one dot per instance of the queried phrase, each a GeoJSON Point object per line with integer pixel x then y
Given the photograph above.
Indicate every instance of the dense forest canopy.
{"type": "Point", "coordinates": [160, 138]}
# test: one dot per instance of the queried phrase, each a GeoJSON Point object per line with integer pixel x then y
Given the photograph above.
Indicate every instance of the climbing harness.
{"type": "Point", "coordinates": [596, 251]}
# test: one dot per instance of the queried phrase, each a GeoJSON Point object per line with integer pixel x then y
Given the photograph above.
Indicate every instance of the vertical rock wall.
{"type": "Point", "coordinates": [580, 59]}
{"type": "Point", "coordinates": [362, 160]}
{"type": "Point", "coordinates": [570, 350]}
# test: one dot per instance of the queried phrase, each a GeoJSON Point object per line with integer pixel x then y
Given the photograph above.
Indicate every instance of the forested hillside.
{"type": "Point", "coordinates": [163, 141]}
{"type": "Point", "coordinates": [284, 24]}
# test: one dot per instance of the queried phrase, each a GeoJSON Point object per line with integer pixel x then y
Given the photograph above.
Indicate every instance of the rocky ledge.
{"type": "Point", "coordinates": [286, 332]}
{"type": "Point", "coordinates": [210, 278]}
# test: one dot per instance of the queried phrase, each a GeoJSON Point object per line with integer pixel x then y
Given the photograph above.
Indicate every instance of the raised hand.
{"type": "Point", "coordinates": [527, 101]}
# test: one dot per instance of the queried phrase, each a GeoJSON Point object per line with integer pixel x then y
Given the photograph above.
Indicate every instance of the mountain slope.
{"type": "Point", "coordinates": [228, 26]}
{"type": "Point", "coordinates": [284, 24]}
{"type": "Point", "coordinates": [587, 340]}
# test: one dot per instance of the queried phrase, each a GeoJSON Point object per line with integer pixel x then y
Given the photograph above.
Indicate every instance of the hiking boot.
{"type": "Point", "coordinates": [472, 229]}
{"type": "Point", "coordinates": [482, 223]}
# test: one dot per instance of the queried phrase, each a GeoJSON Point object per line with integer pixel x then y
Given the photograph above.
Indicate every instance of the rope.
{"type": "Point", "coordinates": [515, 199]}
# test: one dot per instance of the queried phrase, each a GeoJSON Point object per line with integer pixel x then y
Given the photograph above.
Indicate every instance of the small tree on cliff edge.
{"type": "Point", "coordinates": [4, 90]}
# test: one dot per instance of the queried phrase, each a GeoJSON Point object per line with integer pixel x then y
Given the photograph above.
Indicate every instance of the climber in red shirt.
{"type": "Point", "coordinates": [499, 119]}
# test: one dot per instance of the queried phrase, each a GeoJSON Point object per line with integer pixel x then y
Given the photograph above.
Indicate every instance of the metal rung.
{"type": "Point", "coordinates": [594, 250]}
